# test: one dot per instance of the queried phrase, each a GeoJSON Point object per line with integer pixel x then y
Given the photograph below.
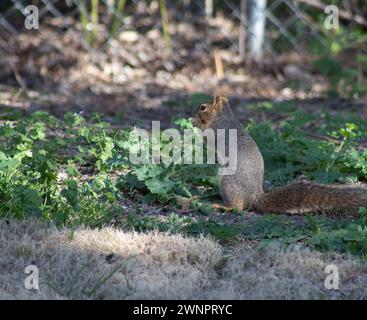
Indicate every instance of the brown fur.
{"type": "Point", "coordinates": [244, 189]}
{"type": "Point", "coordinates": [309, 197]}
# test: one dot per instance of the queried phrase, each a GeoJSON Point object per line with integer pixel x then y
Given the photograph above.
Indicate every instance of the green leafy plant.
{"type": "Point", "coordinates": [76, 170]}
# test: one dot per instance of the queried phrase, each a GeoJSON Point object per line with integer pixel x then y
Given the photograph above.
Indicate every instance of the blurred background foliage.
{"type": "Point", "coordinates": [291, 26]}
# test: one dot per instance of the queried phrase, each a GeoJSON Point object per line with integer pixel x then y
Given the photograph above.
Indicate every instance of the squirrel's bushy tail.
{"type": "Point", "coordinates": [308, 197]}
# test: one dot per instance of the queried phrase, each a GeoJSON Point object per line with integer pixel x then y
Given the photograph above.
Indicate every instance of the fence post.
{"type": "Point", "coordinates": [257, 27]}
{"type": "Point", "coordinates": [209, 8]}
{"type": "Point", "coordinates": [243, 26]}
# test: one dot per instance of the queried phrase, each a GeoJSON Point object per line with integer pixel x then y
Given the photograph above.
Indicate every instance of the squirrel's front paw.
{"type": "Point", "coordinates": [221, 207]}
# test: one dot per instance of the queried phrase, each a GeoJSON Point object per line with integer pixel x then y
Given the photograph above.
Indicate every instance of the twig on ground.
{"type": "Point", "coordinates": [18, 77]}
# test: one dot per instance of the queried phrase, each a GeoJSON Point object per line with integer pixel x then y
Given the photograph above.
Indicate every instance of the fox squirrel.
{"type": "Point", "coordinates": [244, 188]}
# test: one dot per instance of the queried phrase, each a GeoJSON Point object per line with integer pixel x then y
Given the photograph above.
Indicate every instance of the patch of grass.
{"type": "Point", "coordinates": [77, 171]}
{"type": "Point", "coordinates": [319, 232]}
{"type": "Point", "coordinates": [289, 152]}
{"type": "Point", "coordinates": [175, 224]}
{"type": "Point", "coordinates": [310, 118]}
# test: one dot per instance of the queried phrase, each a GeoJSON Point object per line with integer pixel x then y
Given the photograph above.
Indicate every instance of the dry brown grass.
{"type": "Point", "coordinates": [73, 264]}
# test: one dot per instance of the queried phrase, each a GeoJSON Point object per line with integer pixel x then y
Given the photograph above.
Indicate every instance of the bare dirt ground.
{"type": "Point", "coordinates": [137, 77]}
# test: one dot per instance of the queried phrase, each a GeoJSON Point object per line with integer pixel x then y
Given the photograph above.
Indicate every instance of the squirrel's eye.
{"type": "Point", "coordinates": [202, 107]}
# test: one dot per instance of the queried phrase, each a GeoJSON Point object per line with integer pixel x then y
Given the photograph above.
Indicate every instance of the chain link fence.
{"type": "Point", "coordinates": [289, 24]}
{"type": "Point", "coordinates": [92, 53]}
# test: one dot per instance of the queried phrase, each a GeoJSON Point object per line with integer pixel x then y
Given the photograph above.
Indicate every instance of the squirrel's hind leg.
{"type": "Point", "coordinates": [230, 195]}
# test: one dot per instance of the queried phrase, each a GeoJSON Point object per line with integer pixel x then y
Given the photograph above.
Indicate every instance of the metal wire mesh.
{"type": "Point", "coordinates": [287, 21]}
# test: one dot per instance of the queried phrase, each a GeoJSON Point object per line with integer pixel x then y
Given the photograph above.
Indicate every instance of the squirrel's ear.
{"type": "Point", "coordinates": [219, 101]}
